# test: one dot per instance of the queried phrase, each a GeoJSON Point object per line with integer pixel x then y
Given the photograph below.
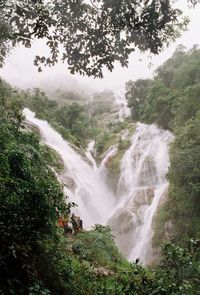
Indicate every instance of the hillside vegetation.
{"type": "Point", "coordinates": [36, 257]}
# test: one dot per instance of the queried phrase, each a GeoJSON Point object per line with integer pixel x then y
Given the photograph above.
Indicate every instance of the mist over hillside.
{"type": "Point", "coordinates": [65, 83]}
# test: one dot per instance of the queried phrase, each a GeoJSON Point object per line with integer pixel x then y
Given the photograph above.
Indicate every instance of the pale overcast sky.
{"type": "Point", "coordinates": [20, 71]}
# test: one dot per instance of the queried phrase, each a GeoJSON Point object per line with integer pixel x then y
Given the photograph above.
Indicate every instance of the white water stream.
{"type": "Point", "coordinates": [89, 192]}
{"type": "Point", "coordinates": [142, 184]}
{"type": "Point", "coordinates": [121, 102]}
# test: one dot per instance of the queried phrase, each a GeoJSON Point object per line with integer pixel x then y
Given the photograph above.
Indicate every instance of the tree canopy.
{"type": "Point", "coordinates": [90, 35]}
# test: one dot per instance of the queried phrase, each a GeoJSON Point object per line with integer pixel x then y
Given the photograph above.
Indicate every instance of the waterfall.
{"type": "Point", "coordinates": [111, 152]}
{"type": "Point", "coordinates": [89, 154]}
{"type": "Point", "coordinates": [89, 192]}
{"type": "Point", "coordinates": [142, 184]}
{"type": "Point", "coordinates": [121, 102]}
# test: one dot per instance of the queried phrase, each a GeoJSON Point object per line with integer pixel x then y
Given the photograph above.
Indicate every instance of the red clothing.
{"type": "Point", "coordinates": [60, 222]}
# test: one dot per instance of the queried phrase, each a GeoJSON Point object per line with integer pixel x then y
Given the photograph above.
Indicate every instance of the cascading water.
{"type": "Point", "coordinates": [142, 184]}
{"type": "Point", "coordinates": [90, 150]}
{"type": "Point", "coordinates": [89, 192]}
{"type": "Point", "coordinates": [111, 152]}
{"type": "Point", "coordinates": [121, 102]}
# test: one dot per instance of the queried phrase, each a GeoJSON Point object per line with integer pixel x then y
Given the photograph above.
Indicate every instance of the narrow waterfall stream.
{"type": "Point", "coordinates": [121, 102]}
{"type": "Point", "coordinates": [141, 185]}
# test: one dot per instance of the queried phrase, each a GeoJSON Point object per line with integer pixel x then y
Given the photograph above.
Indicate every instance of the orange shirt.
{"type": "Point", "coordinates": [60, 222]}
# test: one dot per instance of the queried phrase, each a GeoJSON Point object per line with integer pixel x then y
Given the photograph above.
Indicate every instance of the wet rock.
{"type": "Point", "coordinates": [123, 225]}
{"type": "Point", "coordinates": [67, 181]}
{"type": "Point", "coordinates": [31, 127]}
{"type": "Point", "coordinates": [102, 271]}
{"type": "Point", "coordinates": [122, 221]}
{"type": "Point", "coordinates": [144, 196]}
{"type": "Point", "coordinates": [168, 229]}
{"type": "Point", "coordinates": [148, 175]}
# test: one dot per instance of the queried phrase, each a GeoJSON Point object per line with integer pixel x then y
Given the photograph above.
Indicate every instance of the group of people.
{"type": "Point", "coordinates": [71, 224]}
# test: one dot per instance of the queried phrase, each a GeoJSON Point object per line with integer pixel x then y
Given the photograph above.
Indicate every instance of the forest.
{"type": "Point", "coordinates": [37, 255]}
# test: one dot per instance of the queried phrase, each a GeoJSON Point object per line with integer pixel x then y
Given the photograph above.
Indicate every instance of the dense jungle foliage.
{"type": "Point", "coordinates": [78, 120]}
{"type": "Point", "coordinates": [71, 119]}
{"type": "Point", "coordinates": [172, 100]}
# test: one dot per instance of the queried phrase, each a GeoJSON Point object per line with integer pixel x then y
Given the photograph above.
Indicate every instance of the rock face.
{"type": "Point", "coordinates": [102, 271]}
{"type": "Point", "coordinates": [67, 181]}
{"type": "Point", "coordinates": [126, 220]}
{"type": "Point", "coordinates": [122, 224]}
{"type": "Point", "coordinates": [168, 229]}
{"type": "Point", "coordinates": [148, 173]}
{"type": "Point", "coordinates": [143, 196]}
{"type": "Point", "coordinates": [31, 127]}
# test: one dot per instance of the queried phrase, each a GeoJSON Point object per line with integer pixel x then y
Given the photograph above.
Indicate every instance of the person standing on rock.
{"type": "Point", "coordinates": [67, 227]}
{"type": "Point", "coordinates": [79, 224]}
{"type": "Point", "coordinates": [74, 222]}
